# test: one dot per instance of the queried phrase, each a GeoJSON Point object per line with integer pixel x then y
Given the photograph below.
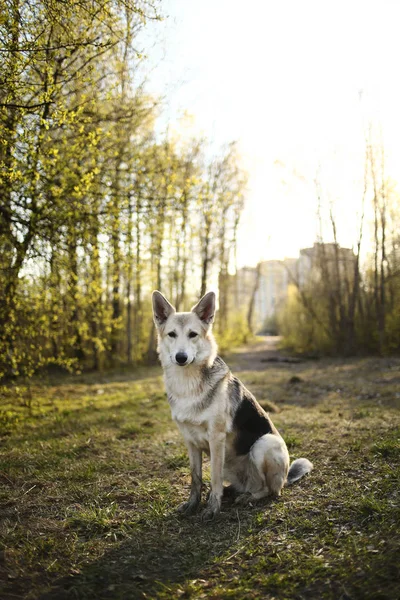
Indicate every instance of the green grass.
{"type": "Point", "coordinates": [92, 469]}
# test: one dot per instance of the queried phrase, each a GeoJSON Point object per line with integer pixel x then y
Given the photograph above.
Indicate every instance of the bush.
{"type": "Point", "coordinates": [236, 333]}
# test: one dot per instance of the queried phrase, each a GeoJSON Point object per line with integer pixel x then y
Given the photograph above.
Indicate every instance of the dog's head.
{"type": "Point", "coordinates": [185, 338]}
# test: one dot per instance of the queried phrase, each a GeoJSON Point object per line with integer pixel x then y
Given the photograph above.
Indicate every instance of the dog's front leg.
{"type": "Point", "coordinates": [217, 455]}
{"type": "Point", "coordinates": [192, 504]}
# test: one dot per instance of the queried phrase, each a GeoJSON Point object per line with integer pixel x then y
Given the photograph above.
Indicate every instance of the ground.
{"type": "Point", "coordinates": [92, 469]}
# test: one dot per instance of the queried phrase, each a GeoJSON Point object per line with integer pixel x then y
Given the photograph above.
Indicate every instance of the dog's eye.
{"type": "Point", "coordinates": [193, 334]}
{"type": "Point", "coordinates": [172, 334]}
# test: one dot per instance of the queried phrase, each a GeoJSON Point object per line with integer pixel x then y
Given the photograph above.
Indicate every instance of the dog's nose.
{"type": "Point", "coordinates": [181, 358]}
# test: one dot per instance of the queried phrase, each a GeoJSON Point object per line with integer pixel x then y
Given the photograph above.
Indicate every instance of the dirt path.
{"type": "Point", "coordinates": [258, 355]}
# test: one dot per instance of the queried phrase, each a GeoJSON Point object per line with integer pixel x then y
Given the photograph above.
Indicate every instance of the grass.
{"type": "Point", "coordinates": [93, 468]}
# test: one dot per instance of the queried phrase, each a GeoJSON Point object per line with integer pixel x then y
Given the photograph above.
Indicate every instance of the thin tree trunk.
{"type": "Point", "coordinates": [54, 293]}
{"type": "Point", "coordinates": [129, 333]}
{"type": "Point", "coordinates": [354, 295]}
{"type": "Point", "coordinates": [74, 295]}
{"type": "Point", "coordinates": [116, 261]}
{"type": "Point", "coordinates": [342, 328]}
{"type": "Point", "coordinates": [96, 309]}
{"type": "Point", "coordinates": [250, 310]}
{"type": "Point", "coordinates": [382, 295]}
{"type": "Point", "coordinates": [206, 257]}
{"type": "Point", "coordinates": [138, 278]}
{"type": "Point", "coordinates": [376, 254]}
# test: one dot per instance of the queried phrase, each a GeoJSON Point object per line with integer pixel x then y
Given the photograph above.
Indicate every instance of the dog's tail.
{"type": "Point", "coordinates": [298, 468]}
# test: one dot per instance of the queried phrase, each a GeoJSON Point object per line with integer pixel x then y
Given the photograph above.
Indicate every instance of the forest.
{"type": "Point", "coordinates": [98, 207]}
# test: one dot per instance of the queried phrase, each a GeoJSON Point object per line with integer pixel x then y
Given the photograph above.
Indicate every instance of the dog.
{"type": "Point", "coordinates": [216, 414]}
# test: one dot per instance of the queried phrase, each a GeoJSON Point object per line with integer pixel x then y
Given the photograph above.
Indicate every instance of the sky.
{"type": "Point", "coordinates": [296, 84]}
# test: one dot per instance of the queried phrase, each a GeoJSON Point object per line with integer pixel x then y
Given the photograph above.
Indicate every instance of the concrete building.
{"type": "Point", "coordinates": [324, 255]}
{"type": "Point", "coordinates": [276, 276]}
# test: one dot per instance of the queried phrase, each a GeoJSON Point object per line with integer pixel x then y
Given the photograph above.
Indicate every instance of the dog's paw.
{"type": "Point", "coordinates": [212, 509]}
{"type": "Point", "coordinates": [209, 513]}
{"type": "Point", "coordinates": [188, 508]}
{"type": "Point", "coordinates": [243, 499]}
{"type": "Point", "coordinates": [229, 493]}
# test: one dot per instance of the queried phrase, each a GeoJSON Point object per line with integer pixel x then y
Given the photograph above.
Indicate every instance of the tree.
{"type": "Point", "coordinates": [97, 207]}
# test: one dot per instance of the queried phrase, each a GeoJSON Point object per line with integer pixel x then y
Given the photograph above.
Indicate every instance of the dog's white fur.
{"type": "Point", "coordinates": [204, 410]}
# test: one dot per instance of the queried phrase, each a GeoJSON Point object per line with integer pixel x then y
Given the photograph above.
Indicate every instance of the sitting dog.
{"type": "Point", "coordinates": [216, 413]}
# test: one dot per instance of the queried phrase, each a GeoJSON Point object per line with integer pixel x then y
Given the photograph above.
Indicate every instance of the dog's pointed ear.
{"type": "Point", "coordinates": [162, 309]}
{"type": "Point", "coordinates": [205, 309]}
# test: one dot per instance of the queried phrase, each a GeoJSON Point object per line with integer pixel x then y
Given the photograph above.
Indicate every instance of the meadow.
{"type": "Point", "coordinates": [92, 469]}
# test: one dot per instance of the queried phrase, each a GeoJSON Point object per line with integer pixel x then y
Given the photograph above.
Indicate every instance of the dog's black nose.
{"type": "Point", "coordinates": [181, 358]}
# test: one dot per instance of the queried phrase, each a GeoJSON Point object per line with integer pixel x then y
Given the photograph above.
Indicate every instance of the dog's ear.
{"type": "Point", "coordinates": [162, 309]}
{"type": "Point", "coordinates": [205, 309]}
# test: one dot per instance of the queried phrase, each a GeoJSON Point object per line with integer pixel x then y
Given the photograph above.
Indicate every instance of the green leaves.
{"type": "Point", "coordinates": [97, 206]}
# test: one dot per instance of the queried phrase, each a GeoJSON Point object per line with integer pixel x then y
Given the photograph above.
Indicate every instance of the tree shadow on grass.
{"type": "Point", "coordinates": [167, 552]}
{"type": "Point", "coordinates": [98, 378]}
{"type": "Point", "coordinates": [173, 551]}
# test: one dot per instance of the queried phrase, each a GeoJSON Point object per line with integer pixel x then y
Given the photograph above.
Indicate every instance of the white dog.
{"type": "Point", "coordinates": [216, 413]}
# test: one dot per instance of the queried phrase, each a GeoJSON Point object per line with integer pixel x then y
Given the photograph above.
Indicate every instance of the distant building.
{"type": "Point", "coordinates": [273, 287]}
{"type": "Point", "coordinates": [324, 255]}
{"type": "Point", "coordinates": [277, 275]}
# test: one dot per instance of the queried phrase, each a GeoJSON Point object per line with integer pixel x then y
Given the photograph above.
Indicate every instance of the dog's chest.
{"type": "Point", "coordinates": [190, 411]}
{"type": "Point", "coordinates": [193, 422]}
{"type": "Point", "coordinates": [196, 434]}
{"type": "Point", "coordinates": [185, 396]}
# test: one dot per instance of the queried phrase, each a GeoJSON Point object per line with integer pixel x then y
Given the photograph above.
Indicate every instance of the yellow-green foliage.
{"type": "Point", "coordinates": [393, 329]}
{"type": "Point", "coordinates": [237, 332]}
{"type": "Point", "coordinates": [305, 325]}
{"type": "Point", "coordinates": [96, 210]}
{"type": "Point", "coordinates": [300, 331]}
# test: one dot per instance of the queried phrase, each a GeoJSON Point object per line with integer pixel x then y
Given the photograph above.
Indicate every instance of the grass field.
{"type": "Point", "coordinates": [92, 469]}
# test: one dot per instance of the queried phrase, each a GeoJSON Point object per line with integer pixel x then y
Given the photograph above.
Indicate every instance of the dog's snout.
{"type": "Point", "coordinates": [181, 358]}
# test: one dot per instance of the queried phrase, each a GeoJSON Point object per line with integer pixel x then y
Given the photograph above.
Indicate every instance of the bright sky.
{"type": "Point", "coordinates": [284, 79]}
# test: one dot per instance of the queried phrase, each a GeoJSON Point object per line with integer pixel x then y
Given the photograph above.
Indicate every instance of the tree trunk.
{"type": "Point", "coordinates": [206, 257]}
{"type": "Point", "coordinates": [78, 351]}
{"type": "Point", "coordinates": [138, 280]}
{"type": "Point", "coordinates": [116, 263]}
{"type": "Point", "coordinates": [129, 332]}
{"type": "Point", "coordinates": [250, 310]}
{"type": "Point", "coordinates": [95, 300]}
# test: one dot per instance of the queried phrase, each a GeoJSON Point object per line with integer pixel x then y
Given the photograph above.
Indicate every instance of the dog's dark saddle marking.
{"type": "Point", "coordinates": [250, 421]}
